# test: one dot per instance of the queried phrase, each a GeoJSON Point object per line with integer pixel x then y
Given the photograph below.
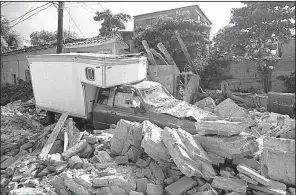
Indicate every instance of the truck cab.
{"type": "Point", "coordinates": [135, 102]}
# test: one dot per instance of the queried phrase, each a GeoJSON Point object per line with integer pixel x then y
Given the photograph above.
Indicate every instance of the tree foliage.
{"type": "Point", "coordinates": [47, 37]}
{"type": "Point", "coordinates": [194, 33]}
{"type": "Point", "coordinates": [111, 22]}
{"type": "Point", "coordinates": [289, 82]}
{"type": "Point", "coordinates": [9, 38]}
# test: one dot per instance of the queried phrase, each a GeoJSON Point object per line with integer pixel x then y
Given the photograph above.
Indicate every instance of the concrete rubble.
{"type": "Point", "coordinates": [228, 155]}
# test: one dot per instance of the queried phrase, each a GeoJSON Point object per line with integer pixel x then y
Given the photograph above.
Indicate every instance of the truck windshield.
{"type": "Point", "coordinates": [154, 97]}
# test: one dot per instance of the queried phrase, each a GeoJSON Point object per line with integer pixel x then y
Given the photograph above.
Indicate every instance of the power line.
{"type": "Point", "coordinates": [86, 9]}
{"type": "Point", "coordinates": [74, 22]}
{"type": "Point", "coordinates": [89, 7]}
{"type": "Point", "coordinates": [31, 15]}
{"type": "Point", "coordinates": [101, 6]}
{"type": "Point", "coordinates": [27, 12]}
{"type": "Point", "coordinates": [6, 4]}
{"type": "Point", "coordinates": [30, 11]}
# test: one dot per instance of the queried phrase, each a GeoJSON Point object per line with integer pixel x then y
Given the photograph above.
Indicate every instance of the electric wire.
{"type": "Point", "coordinates": [75, 23]}
{"type": "Point", "coordinates": [27, 12]}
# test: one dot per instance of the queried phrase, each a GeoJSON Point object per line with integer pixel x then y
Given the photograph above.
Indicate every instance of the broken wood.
{"type": "Point", "coordinates": [150, 55]}
{"type": "Point", "coordinates": [191, 89]}
{"type": "Point", "coordinates": [66, 141]}
{"type": "Point", "coordinates": [169, 58]}
{"type": "Point", "coordinates": [53, 135]}
{"type": "Point", "coordinates": [185, 51]}
{"type": "Point", "coordinates": [226, 92]}
{"type": "Point", "coordinates": [70, 131]}
{"type": "Point", "coordinates": [159, 56]}
{"type": "Point", "coordinates": [74, 150]}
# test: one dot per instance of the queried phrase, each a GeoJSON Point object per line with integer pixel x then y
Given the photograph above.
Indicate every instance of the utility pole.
{"type": "Point", "coordinates": [60, 27]}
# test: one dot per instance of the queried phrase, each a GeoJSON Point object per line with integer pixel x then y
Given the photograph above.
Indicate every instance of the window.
{"type": "Point", "coordinates": [103, 96]}
{"type": "Point", "coordinates": [126, 100]}
{"type": "Point", "coordinates": [90, 73]}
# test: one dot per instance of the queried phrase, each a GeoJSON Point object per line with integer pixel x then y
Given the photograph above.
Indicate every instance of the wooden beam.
{"type": "Point", "coordinates": [45, 150]}
{"type": "Point", "coordinates": [185, 51]}
{"type": "Point", "coordinates": [150, 55]}
{"type": "Point", "coordinates": [70, 131]}
{"type": "Point", "coordinates": [191, 89]}
{"type": "Point", "coordinates": [169, 58]}
{"type": "Point", "coordinates": [159, 56]}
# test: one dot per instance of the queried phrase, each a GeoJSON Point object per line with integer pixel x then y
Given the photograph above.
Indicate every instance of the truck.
{"type": "Point", "coordinates": [103, 89]}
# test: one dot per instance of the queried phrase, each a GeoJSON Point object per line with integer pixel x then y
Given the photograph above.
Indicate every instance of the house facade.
{"type": "Point", "coordinates": [151, 18]}
{"type": "Point", "coordinates": [14, 64]}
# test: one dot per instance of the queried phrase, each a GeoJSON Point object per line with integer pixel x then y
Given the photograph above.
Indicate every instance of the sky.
{"type": "Point", "coordinates": [82, 13]}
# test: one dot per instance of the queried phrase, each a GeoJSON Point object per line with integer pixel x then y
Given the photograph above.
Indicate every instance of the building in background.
{"type": "Point", "coordinates": [150, 18]}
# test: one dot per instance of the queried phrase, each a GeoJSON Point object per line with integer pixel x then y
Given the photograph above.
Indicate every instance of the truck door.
{"type": "Point", "coordinates": [101, 109]}
{"type": "Point", "coordinates": [124, 107]}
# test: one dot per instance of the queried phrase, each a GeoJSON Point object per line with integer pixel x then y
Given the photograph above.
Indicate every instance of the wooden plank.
{"type": "Point", "coordinates": [166, 54]}
{"type": "Point", "coordinates": [191, 89]}
{"type": "Point", "coordinates": [183, 47]}
{"type": "Point", "coordinates": [70, 131]}
{"type": "Point", "coordinates": [159, 56]}
{"type": "Point", "coordinates": [53, 136]}
{"type": "Point", "coordinates": [150, 55]}
{"type": "Point", "coordinates": [66, 141]}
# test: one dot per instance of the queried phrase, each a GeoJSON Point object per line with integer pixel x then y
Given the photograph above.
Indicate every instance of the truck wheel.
{"type": "Point", "coordinates": [50, 118]}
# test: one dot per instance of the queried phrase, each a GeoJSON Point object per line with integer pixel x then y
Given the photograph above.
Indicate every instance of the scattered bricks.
{"type": "Point", "coordinates": [142, 163]}
{"type": "Point", "coordinates": [102, 156]}
{"type": "Point", "coordinates": [157, 172]}
{"type": "Point", "coordinates": [86, 152]}
{"type": "Point", "coordinates": [142, 185]}
{"type": "Point", "coordinates": [247, 179]}
{"type": "Point", "coordinates": [124, 183]}
{"type": "Point", "coordinates": [253, 174]}
{"type": "Point", "coordinates": [275, 187]}
{"type": "Point", "coordinates": [91, 139]}
{"type": "Point", "coordinates": [154, 189]}
{"type": "Point", "coordinates": [152, 142]}
{"type": "Point", "coordinates": [121, 160]}
{"type": "Point", "coordinates": [219, 127]}
{"type": "Point", "coordinates": [254, 164]}
{"type": "Point", "coordinates": [74, 150]}
{"type": "Point", "coordinates": [207, 187]}
{"type": "Point", "coordinates": [75, 162]}
{"type": "Point", "coordinates": [291, 190]}
{"type": "Point", "coordinates": [135, 193]}
{"type": "Point", "coordinates": [229, 147]}
{"type": "Point", "coordinates": [83, 180]}
{"type": "Point", "coordinates": [228, 108]}
{"type": "Point", "coordinates": [133, 153]}
{"type": "Point", "coordinates": [181, 186]}
{"type": "Point", "coordinates": [207, 104]}
{"type": "Point", "coordinates": [74, 187]}
{"type": "Point", "coordinates": [59, 185]}
{"type": "Point", "coordinates": [216, 159]}
{"type": "Point", "coordinates": [147, 173]}
{"type": "Point", "coordinates": [117, 190]}
{"type": "Point", "coordinates": [278, 159]}
{"type": "Point", "coordinates": [104, 165]}
{"type": "Point", "coordinates": [232, 184]}
{"type": "Point", "coordinates": [100, 182]}
{"type": "Point", "coordinates": [188, 165]}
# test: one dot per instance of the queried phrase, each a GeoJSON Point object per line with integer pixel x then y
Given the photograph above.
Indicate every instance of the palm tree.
{"type": "Point", "coordinates": [111, 22]}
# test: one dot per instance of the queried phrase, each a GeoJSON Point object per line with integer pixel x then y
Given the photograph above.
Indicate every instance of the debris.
{"type": "Point", "coordinates": [207, 104]}
{"type": "Point", "coordinates": [75, 162]}
{"type": "Point", "coordinates": [191, 89]}
{"type": "Point", "coordinates": [216, 159]}
{"type": "Point", "coordinates": [247, 179]}
{"type": "Point", "coordinates": [228, 108]}
{"type": "Point", "coordinates": [275, 187]}
{"type": "Point", "coordinates": [232, 184]}
{"type": "Point", "coordinates": [181, 186]}
{"type": "Point", "coordinates": [142, 184]}
{"type": "Point", "coordinates": [168, 57]}
{"type": "Point", "coordinates": [74, 150]}
{"type": "Point", "coordinates": [153, 189]}
{"type": "Point", "coordinates": [253, 174]}
{"type": "Point", "coordinates": [254, 164]}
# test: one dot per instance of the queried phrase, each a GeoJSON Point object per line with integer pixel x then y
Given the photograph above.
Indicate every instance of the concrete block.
{"type": "Point", "coordinates": [232, 184]}
{"type": "Point", "coordinates": [133, 153]}
{"type": "Point", "coordinates": [229, 147]}
{"type": "Point", "coordinates": [216, 159]}
{"type": "Point", "coordinates": [275, 188]}
{"type": "Point", "coordinates": [102, 156]}
{"type": "Point", "coordinates": [154, 189]}
{"type": "Point", "coordinates": [189, 164]}
{"type": "Point", "coordinates": [141, 185]}
{"type": "Point", "coordinates": [219, 127]}
{"type": "Point", "coordinates": [100, 182]}
{"type": "Point", "coordinates": [181, 186]}
{"type": "Point", "coordinates": [207, 187]}
{"type": "Point", "coordinates": [136, 193]}
{"type": "Point", "coordinates": [247, 179]}
{"type": "Point", "coordinates": [75, 187]}
{"type": "Point", "coordinates": [207, 103]}
{"type": "Point", "coordinates": [254, 164]}
{"type": "Point", "coordinates": [228, 108]}
{"type": "Point", "coordinates": [83, 180]}
{"type": "Point", "coordinates": [117, 190]}
{"type": "Point", "coordinates": [86, 152]}
{"type": "Point", "coordinates": [75, 162]}
{"type": "Point", "coordinates": [127, 184]}
{"type": "Point", "coordinates": [152, 142]}
{"type": "Point", "coordinates": [105, 165]}
{"type": "Point", "coordinates": [156, 171]}
{"type": "Point", "coordinates": [143, 163]}
{"type": "Point", "coordinates": [121, 160]}
{"type": "Point", "coordinates": [253, 174]}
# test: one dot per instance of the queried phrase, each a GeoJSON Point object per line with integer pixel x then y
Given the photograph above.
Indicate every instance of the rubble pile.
{"type": "Point", "coordinates": [226, 156]}
{"type": "Point", "coordinates": [22, 91]}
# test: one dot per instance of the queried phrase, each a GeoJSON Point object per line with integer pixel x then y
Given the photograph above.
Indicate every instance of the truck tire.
{"type": "Point", "coordinates": [50, 118]}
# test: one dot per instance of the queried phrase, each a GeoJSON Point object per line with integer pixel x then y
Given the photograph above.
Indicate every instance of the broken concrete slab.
{"type": "Point", "coordinates": [278, 159]}
{"type": "Point", "coordinates": [153, 189]}
{"type": "Point", "coordinates": [216, 159]}
{"type": "Point", "coordinates": [228, 108]}
{"type": "Point", "coordinates": [291, 190]}
{"type": "Point", "coordinates": [181, 156]}
{"type": "Point", "coordinates": [75, 162]}
{"type": "Point", "coordinates": [207, 187]}
{"type": "Point", "coordinates": [247, 179]}
{"type": "Point", "coordinates": [141, 184]}
{"type": "Point", "coordinates": [229, 147]}
{"type": "Point", "coordinates": [232, 184]}
{"type": "Point", "coordinates": [74, 150]}
{"type": "Point", "coordinates": [143, 163]}
{"type": "Point", "coordinates": [121, 160]}
{"type": "Point", "coordinates": [253, 174]}
{"type": "Point", "coordinates": [254, 164]}
{"type": "Point", "coordinates": [102, 156]}
{"type": "Point", "coordinates": [275, 188]}
{"type": "Point", "coordinates": [157, 171]}
{"type": "Point", "coordinates": [105, 165]}
{"type": "Point", "coordinates": [84, 180]}
{"type": "Point", "coordinates": [181, 186]}
{"type": "Point", "coordinates": [74, 187]}
{"type": "Point", "coordinates": [219, 127]}
{"type": "Point", "coordinates": [207, 104]}
{"type": "Point", "coordinates": [152, 142]}
{"type": "Point", "coordinates": [26, 191]}
{"type": "Point", "coordinates": [133, 153]}
{"type": "Point", "coordinates": [136, 193]}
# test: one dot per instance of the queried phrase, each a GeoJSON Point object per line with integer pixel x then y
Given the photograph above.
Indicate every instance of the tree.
{"type": "Point", "coordinates": [194, 33]}
{"type": "Point", "coordinates": [111, 22]}
{"type": "Point", "coordinates": [253, 31]}
{"type": "Point", "coordinates": [46, 37]}
{"type": "Point", "coordinates": [9, 38]}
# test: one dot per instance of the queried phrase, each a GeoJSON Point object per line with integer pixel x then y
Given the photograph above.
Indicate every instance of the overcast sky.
{"type": "Point", "coordinates": [217, 12]}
